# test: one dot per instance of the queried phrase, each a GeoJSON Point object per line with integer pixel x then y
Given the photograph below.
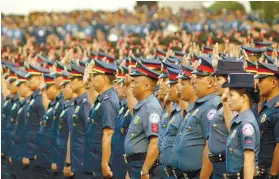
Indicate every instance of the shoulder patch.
{"type": "Point", "coordinates": [154, 118]}
{"type": "Point", "coordinates": [248, 129]}
{"type": "Point", "coordinates": [211, 113]}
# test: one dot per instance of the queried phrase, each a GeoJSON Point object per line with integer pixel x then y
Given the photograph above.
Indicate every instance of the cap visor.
{"type": "Point", "coordinates": [200, 73]}
{"type": "Point", "coordinates": [136, 73]}
{"type": "Point", "coordinates": [260, 76]}
{"type": "Point", "coordinates": [163, 75]}
{"type": "Point", "coordinates": [64, 83]}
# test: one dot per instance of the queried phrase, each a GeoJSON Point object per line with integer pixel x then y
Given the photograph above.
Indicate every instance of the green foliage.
{"type": "Point", "coordinates": [229, 5]}
{"type": "Point", "coordinates": [266, 9]}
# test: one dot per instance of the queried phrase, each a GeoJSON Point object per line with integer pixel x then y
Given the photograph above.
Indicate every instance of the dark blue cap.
{"type": "Point", "coordinates": [160, 53]}
{"type": "Point", "coordinates": [240, 80]}
{"type": "Point", "coordinates": [131, 61]}
{"type": "Point", "coordinates": [44, 60]}
{"type": "Point", "coordinates": [187, 72]}
{"type": "Point", "coordinates": [173, 60]}
{"type": "Point", "coordinates": [253, 51]}
{"type": "Point", "coordinates": [76, 71]}
{"type": "Point", "coordinates": [269, 59]}
{"type": "Point", "coordinates": [66, 78]}
{"type": "Point", "coordinates": [105, 57]}
{"type": "Point", "coordinates": [173, 74]}
{"type": "Point", "coordinates": [142, 70]}
{"type": "Point", "coordinates": [265, 70]}
{"type": "Point", "coordinates": [225, 67]}
{"type": "Point", "coordinates": [101, 67]}
{"type": "Point", "coordinates": [260, 44]}
{"type": "Point", "coordinates": [269, 50]}
{"type": "Point", "coordinates": [34, 70]}
{"type": "Point", "coordinates": [83, 63]}
{"type": "Point", "coordinates": [21, 76]}
{"type": "Point", "coordinates": [179, 54]}
{"type": "Point", "coordinates": [251, 66]}
{"type": "Point", "coordinates": [152, 63]}
{"type": "Point", "coordinates": [121, 71]}
{"type": "Point", "coordinates": [12, 74]}
{"type": "Point", "coordinates": [207, 50]}
{"type": "Point", "coordinates": [205, 67]}
{"type": "Point", "coordinates": [49, 80]}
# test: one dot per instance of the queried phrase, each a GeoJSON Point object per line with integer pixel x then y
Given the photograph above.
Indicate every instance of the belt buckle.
{"type": "Point", "coordinates": [174, 173]}
{"type": "Point", "coordinates": [185, 175]}
{"type": "Point", "coordinates": [166, 172]}
{"type": "Point", "coordinates": [125, 158]}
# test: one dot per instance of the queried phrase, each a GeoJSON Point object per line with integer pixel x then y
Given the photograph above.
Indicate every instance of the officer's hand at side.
{"type": "Point", "coordinates": [25, 161]}
{"type": "Point", "coordinates": [10, 160]}
{"type": "Point", "coordinates": [107, 173]}
{"type": "Point", "coordinates": [145, 176]}
{"type": "Point", "coordinates": [68, 171]}
{"type": "Point", "coordinates": [54, 167]}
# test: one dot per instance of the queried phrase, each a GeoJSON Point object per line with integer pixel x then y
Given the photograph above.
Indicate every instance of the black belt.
{"type": "Point", "coordinates": [263, 173]}
{"type": "Point", "coordinates": [217, 158]}
{"type": "Point", "coordinates": [134, 157]}
{"type": "Point", "coordinates": [168, 171]}
{"type": "Point", "coordinates": [187, 175]}
{"type": "Point", "coordinates": [238, 175]}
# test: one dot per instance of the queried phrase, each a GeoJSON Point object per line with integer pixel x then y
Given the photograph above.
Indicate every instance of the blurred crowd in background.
{"type": "Point", "coordinates": [122, 33]}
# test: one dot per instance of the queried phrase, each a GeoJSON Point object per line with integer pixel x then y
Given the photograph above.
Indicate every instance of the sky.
{"type": "Point", "coordinates": [25, 6]}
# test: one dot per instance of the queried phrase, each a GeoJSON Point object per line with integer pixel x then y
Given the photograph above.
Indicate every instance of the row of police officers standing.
{"type": "Point", "coordinates": [158, 119]}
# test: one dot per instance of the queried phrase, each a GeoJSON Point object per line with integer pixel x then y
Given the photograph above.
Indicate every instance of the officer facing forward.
{"type": "Point", "coordinates": [141, 142]}
{"type": "Point", "coordinates": [101, 122]}
{"type": "Point", "coordinates": [268, 120]}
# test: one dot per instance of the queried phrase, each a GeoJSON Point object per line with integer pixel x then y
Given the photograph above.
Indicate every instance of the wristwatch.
{"type": "Point", "coordinates": [143, 174]}
{"type": "Point", "coordinates": [67, 164]}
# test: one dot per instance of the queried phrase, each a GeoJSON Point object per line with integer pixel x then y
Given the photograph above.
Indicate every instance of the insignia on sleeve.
{"type": "Point", "coordinates": [211, 113]}
{"type": "Point", "coordinates": [248, 129]}
{"type": "Point", "coordinates": [263, 118]}
{"type": "Point", "coordinates": [136, 120]}
{"type": "Point", "coordinates": [196, 112]}
{"type": "Point", "coordinates": [155, 127]}
{"type": "Point", "coordinates": [154, 118]}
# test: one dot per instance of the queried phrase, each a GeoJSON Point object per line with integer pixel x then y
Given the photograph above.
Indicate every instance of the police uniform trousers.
{"type": "Point", "coordinates": [4, 168]}
{"type": "Point", "coordinates": [118, 166]}
{"type": "Point", "coordinates": [57, 175]}
{"type": "Point", "coordinates": [218, 170]}
{"type": "Point", "coordinates": [28, 171]}
{"type": "Point", "coordinates": [42, 173]}
{"type": "Point", "coordinates": [134, 169]}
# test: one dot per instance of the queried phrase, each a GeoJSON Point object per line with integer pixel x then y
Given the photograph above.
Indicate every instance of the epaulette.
{"type": "Point", "coordinates": [84, 100]}
{"type": "Point", "coordinates": [106, 97]}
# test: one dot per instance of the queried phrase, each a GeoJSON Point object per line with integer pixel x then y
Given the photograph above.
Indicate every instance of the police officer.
{"type": "Point", "coordinates": [218, 131]}
{"type": "Point", "coordinates": [58, 78]}
{"type": "Point", "coordinates": [176, 117]}
{"type": "Point", "coordinates": [101, 122]}
{"type": "Point", "coordinates": [187, 94]}
{"type": "Point", "coordinates": [243, 142]}
{"type": "Point", "coordinates": [192, 146]}
{"type": "Point", "coordinates": [35, 113]}
{"type": "Point", "coordinates": [11, 120]}
{"type": "Point", "coordinates": [74, 160]}
{"type": "Point", "coordinates": [268, 120]}
{"type": "Point", "coordinates": [64, 122]}
{"type": "Point", "coordinates": [43, 160]}
{"type": "Point", "coordinates": [25, 93]}
{"type": "Point", "coordinates": [118, 165]}
{"type": "Point", "coordinates": [141, 142]}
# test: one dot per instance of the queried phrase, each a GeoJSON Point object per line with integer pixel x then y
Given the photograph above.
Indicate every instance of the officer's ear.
{"type": "Point", "coordinates": [211, 81]}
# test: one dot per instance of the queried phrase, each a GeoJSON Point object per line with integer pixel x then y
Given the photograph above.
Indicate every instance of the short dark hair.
{"type": "Point", "coordinates": [250, 92]}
